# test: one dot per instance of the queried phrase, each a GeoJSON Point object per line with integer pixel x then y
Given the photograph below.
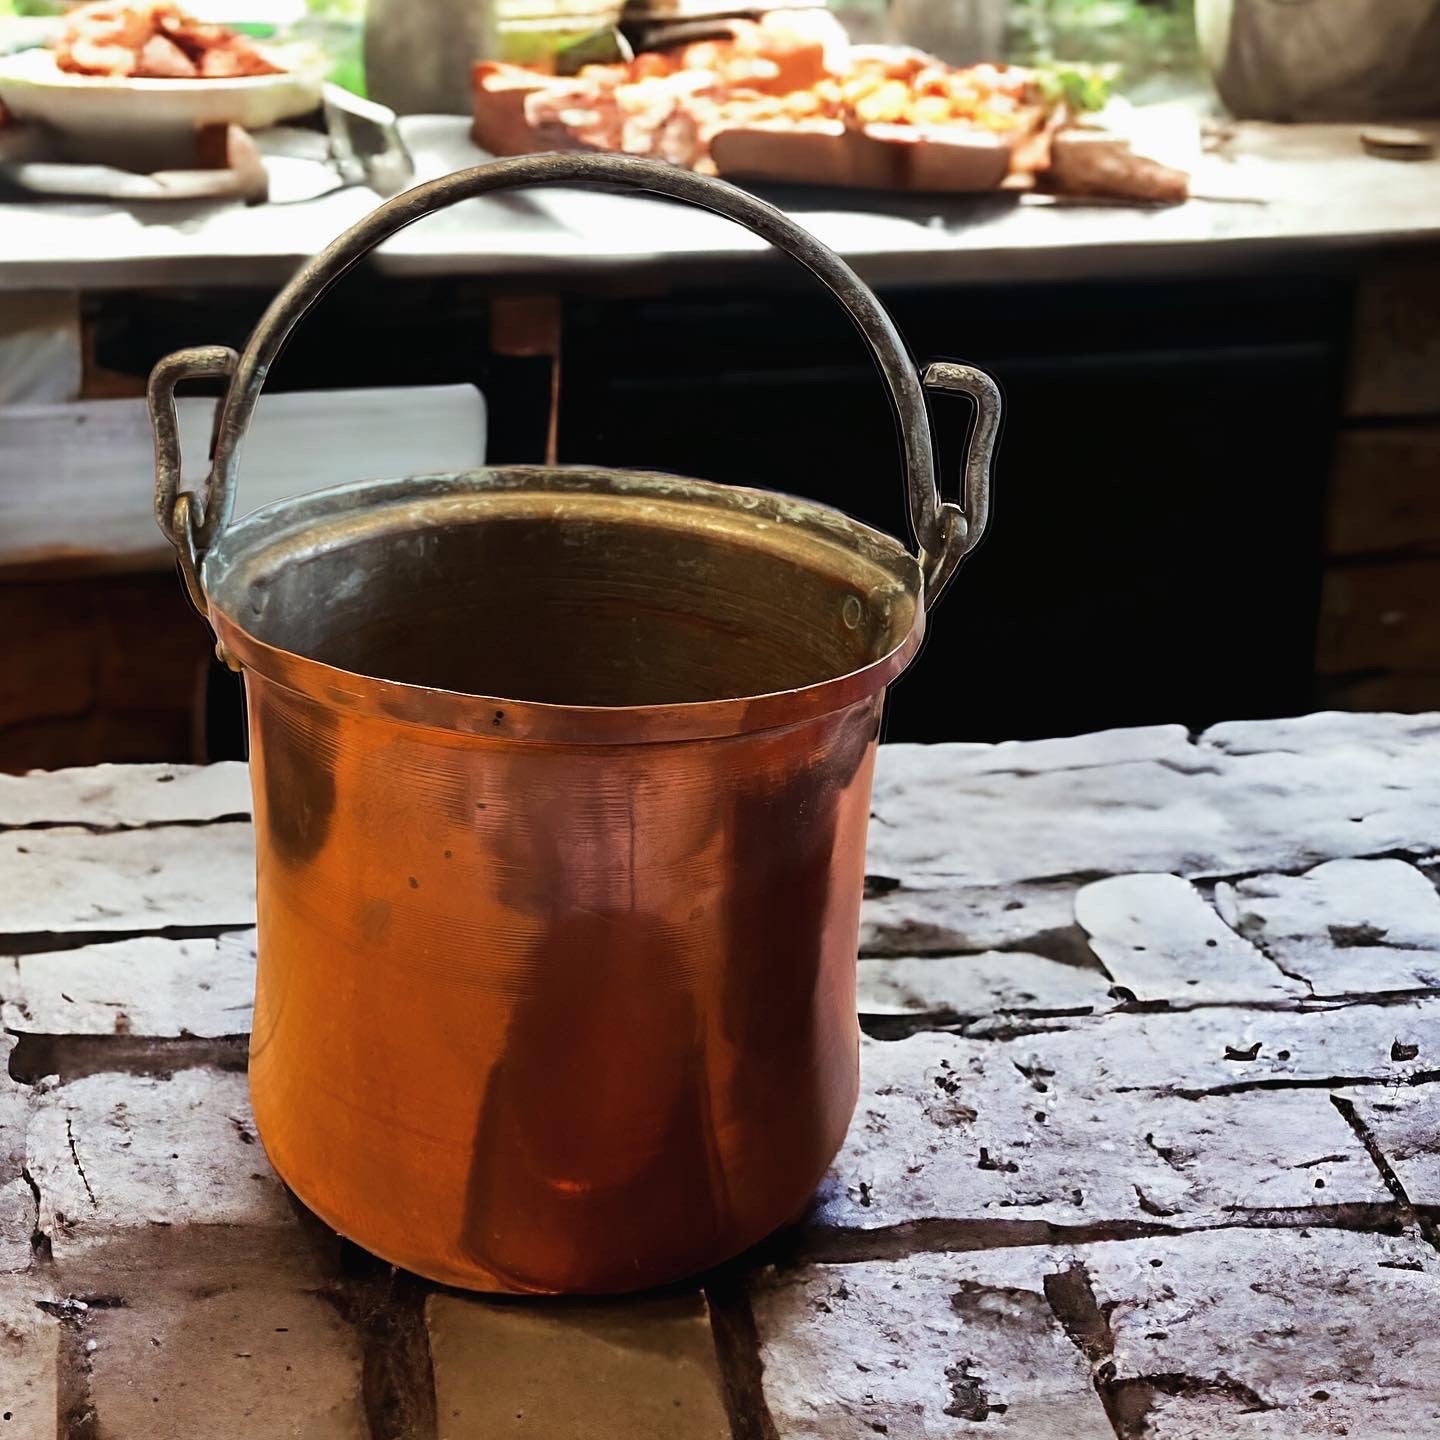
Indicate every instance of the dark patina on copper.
{"type": "Point", "coordinates": [561, 784]}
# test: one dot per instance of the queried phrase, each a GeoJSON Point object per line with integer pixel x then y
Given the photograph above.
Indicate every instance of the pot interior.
{"type": "Point", "coordinates": [579, 588]}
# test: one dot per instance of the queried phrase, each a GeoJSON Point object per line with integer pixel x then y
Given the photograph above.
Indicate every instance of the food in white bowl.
{"type": "Point", "coordinates": [118, 72]}
{"type": "Point", "coordinates": [156, 40]}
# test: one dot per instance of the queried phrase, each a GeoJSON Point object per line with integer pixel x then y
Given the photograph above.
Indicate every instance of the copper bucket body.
{"type": "Point", "coordinates": [561, 782]}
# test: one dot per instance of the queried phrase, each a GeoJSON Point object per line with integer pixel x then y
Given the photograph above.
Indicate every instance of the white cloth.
{"type": "Point", "coordinates": [1323, 59]}
{"type": "Point", "coordinates": [39, 347]}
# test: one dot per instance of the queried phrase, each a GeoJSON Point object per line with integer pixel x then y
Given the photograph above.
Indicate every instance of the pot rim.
{"type": "Point", "coordinates": [467, 717]}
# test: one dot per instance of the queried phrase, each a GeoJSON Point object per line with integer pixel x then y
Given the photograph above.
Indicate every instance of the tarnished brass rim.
{"type": "Point", "coordinates": [278, 534]}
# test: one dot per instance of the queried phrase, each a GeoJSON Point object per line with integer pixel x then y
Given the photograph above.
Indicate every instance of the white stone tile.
{"type": "Point", "coordinates": [1203, 811]}
{"type": "Point", "coordinates": [1158, 937]}
{"type": "Point", "coordinates": [1405, 1124]}
{"type": "Point", "coordinates": [136, 1167]}
{"type": "Point", "coordinates": [952, 1129]}
{"type": "Point", "coordinates": [937, 915]}
{"type": "Point", "coordinates": [926, 1347]}
{"type": "Point", "coordinates": [70, 879]}
{"type": "Point", "coordinates": [1333, 1331]}
{"type": "Point", "coordinates": [1224, 1047]}
{"type": "Point", "coordinates": [147, 986]}
{"type": "Point", "coordinates": [1008, 981]}
{"type": "Point", "coordinates": [1348, 926]}
{"type": "Point", "coordinates": [120, 795]}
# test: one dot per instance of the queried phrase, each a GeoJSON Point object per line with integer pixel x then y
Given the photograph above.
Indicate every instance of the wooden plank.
{"type": "Point", "coordinates": [1378, 616]}
{"type": "Point", "coordinates": [1395, 344]}
{"type": "Point", "coordinates": [105, 668]}
{"type": "Point", "coordinates": [75, 480]}
{"type": "Point", "coordinates": [1385, 492]}
{"type": "Point", "coordinates": [115, 796]}
{"type": "Point", "coordinates": [40, 357]}
{"type": "Point", "coordinates": [1406, 691]}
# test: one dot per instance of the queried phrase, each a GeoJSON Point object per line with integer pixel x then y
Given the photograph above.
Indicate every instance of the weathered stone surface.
{"type": "Point", "coordinates": [111, 796]}
{"type": "Point", "coordinates": [643, 1369]}
{"type": "Point", "coordinates": [1372, 734]}
{"type": "Point", "coordinates": [1196, 810]}
{"type": "Point", "coordinates": [1280, 1334]}
{"type": "Point", "coordinates": [954, 1129]}
{"type": "Point", "coordinates": [29, 1344]}
{"type": "Point", "coordinates": [927, 1348]}
{"type": "Point", "coordinates": [987, 1162]}
{"type": "Point", "coordinates": [17, 1224]}
{"type": "Point", "coordinates": [14, 1112]}
{"type": "Point", "coordinates": [146, 986]}
{"type": "Point", "coordinates": [1158, 937]}
{"type": "Point", "coordinates": [1405, 1124]}
{"type": "Point", "coordinates": [1226, 1048]}
{"type": "Point", "coordinates": [1348, 926]}
{"type": "Point", "coordinates": [1122, 746]}
{"type": "Point", "coordinates": [69, 879]}
{"type": "Point", "coordinates": [929, 915]}
{"type": "Point", "coordinates": [244, 1362]}
{"type": "Point", "coordinates": [1006, 982]}
{"type": "Point", "coordinates": [985, 823]}
{"type": "Point", "coordinates": [17, 1200]}
{"type": "Point", "coordinates": [116, 1156]}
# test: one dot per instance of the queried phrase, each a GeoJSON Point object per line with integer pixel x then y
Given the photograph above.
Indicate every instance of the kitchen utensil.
{"type": "Point", "coordinates": [561, 783]}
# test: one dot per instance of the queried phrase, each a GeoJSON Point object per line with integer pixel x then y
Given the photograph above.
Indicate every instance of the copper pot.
{"type": "Point", "coordinates": [561, 785]}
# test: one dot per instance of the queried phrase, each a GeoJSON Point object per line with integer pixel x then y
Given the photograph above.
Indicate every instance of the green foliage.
{"type": "Point", "coordinates": [337, 9]}
{"type": "Point", "coordinates": [1142, 37]}
{"type": "Point", "coordinates": [1082, 87]}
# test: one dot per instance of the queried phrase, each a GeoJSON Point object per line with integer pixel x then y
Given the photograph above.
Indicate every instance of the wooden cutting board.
{"type": "Point", "coordinates": [878, 157]}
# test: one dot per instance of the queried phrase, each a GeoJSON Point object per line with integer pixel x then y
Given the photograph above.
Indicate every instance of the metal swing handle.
{"type": "Point", "coordinates": [944, 531]}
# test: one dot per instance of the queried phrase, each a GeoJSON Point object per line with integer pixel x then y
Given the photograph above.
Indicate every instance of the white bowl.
{"type": "Point", "coordinates": [33, 87]}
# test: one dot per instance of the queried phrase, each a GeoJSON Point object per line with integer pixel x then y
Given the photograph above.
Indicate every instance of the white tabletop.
{"type": "Point", "coordinates": [1287, 189]}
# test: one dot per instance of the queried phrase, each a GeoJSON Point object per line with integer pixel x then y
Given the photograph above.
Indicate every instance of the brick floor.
{"type": "Point", "coordinates": [1146, 1146]}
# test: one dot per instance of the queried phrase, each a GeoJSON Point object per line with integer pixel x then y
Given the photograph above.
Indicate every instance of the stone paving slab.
{"type": "Point", "coordinates": [72, 879]}
{"type": "Point", "coordinates": [644, 1368]}
{"type": "Point", "coordinates": [1217, 1334]}
{"type": "Point", "coordinates": [922, 1347]}
{"type": "Point", "coordinates": [29, 1360]}
{"type": "Point", "coordinates": [1226, 1049]}
{"type": "Point", "coordinates": [1195, 810]}
{"type": "Point", "coordinates": [1146, 1146]}
{"type": "Point", "coordinates": [1253, 1333]}
{"type": "Point", "coordinates": [112, 797]}
{"type": "Point", "coordinates": [955, 1129]}
{"type": "Point", "coordinates": [148, 986]}
{"type": "Point", "coordinates": [245, 1361]}
{"type": "Point", "coordinates": [1405, 736]}
{"type": "Point", "coordinates": [1321, 926]}
{"type": "Point", "coordinates": [993, 982]}
{"type": "Point", "coordinates": [1158, 937]}
{"type": "Point", "coordinates": [938, 915]}
{"type": "Point", "coordinates": [1405, 1126]}
{"type": "Point", "coordinates": [130, 1170]}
